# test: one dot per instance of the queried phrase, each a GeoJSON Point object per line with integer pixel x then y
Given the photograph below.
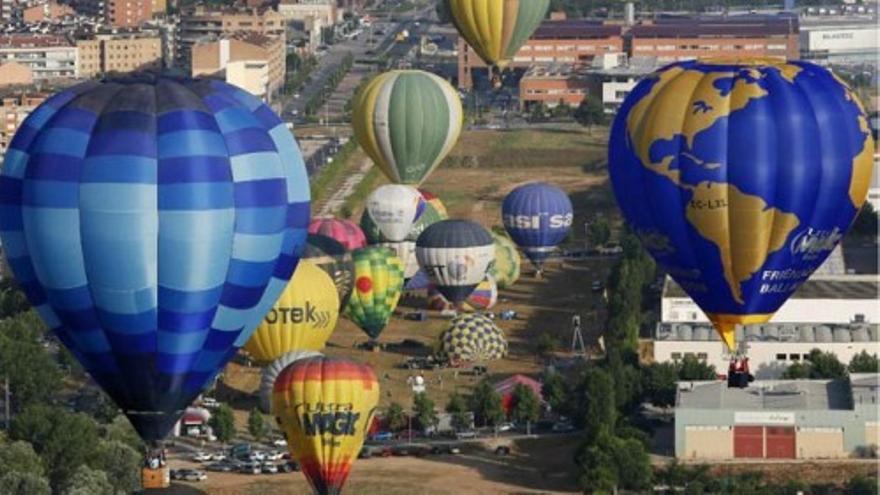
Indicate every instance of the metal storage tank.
{"type": "Point", "coordinates": [842, 334]}
{"type": "Point", "coordinates": [702, 333]}
{"type": "Point", "coordinates": [823, 334]}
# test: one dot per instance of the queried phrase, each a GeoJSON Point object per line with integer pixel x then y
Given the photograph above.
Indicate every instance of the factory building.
{"type": "Point", "coordinates": [784, 419]}
{"type": "Point", "coordinates": [840, 41]}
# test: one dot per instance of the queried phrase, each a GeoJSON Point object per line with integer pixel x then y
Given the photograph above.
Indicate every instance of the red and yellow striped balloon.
{"type": "Point", "coordinates": [324, 407]}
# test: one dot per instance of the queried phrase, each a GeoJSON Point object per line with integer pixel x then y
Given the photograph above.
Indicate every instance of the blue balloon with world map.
{"type": "Point", "coordinates": [740, 177]}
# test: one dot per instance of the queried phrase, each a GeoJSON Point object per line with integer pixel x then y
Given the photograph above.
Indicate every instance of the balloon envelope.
{"type": "Point", "coordinates": [301, 320]}
{"type": "Point", "coordinates": [484, 297]}
{"type": "Point", "coordinates": [740, 177]}
{"type": "Point", "coordinates": [324, 407]}
{"type": "Point", "coordinates": [407, 121]}
{"type": "Point", "coordinates": [152, 222]}
{"type": "Point", "coordinates": [270, 374]}
{"type": "Point", "coordinates": [473, 337]}
{"type": "Point", "coordinates": [378, 282]}
{"type": "Point", "coordinates": [538, 217]}
{"type": "Point", "coordinates": [506, 268]}
{"type": "Point", "coordinates": [394, 208]}
{"type": "Point", "coordinates": [343, 231]}
{"type": "Point", "coordinates": [332, 257]}
{"type": "Point", "coordinates": [456, 254]}
{"type": "Point", "coordinates": [497, 29]}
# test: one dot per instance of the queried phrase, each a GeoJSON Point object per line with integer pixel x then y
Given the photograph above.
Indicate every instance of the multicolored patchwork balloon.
{"type": "Point", "coordinates": [152, 222]}
{"type": "Point", "coordinates": [506, 268]}
{"type": "Point", "coordinates": [324, 407]}
{"type": "Point", "coordinates": [482, 298]}
{"type": "Point", "coordinates": [378, 282]}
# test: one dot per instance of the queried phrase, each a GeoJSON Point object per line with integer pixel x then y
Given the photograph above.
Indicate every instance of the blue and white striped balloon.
{"type": "Point", "coordinates": [152, 222]}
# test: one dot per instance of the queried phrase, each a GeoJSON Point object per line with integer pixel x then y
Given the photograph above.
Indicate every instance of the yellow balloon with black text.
{"type": "Point", "coordinates": [301, 320]}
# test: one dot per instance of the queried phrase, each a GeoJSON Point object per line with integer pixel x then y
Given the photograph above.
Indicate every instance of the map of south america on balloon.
{"type": "Point", "coordinates": [740, 179]}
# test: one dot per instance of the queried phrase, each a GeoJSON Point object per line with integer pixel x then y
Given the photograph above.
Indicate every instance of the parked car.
{"type": "Point", "coordinates": [381, 436]}
{"type": "Point", "coordinates": [563, 426]}
{"type": "Point", "coordinates": [258, 455]}
{"type": "Point", "coordinates": [479, 370]}
{"type": "Point", "coordinates": [195, 475]}
{"type": "Point", "coordinates": [401, 450]}
{"type": "Point", "coordinates": [502, 450]}
{"type": "Point", "coordinates": [280, 442]}
{"type": "Point", "coordinates": [176, 474]}
{"type": "Point", "coordinates": [365, 453]}
{"type": "Point", "coordinates": [210, 402]}
{"type": "Point", "coordinates": [463, 434]}
{"type": "Point", "coordinates": [270, 469]}
{"type": "Point", "coordinates": [444, 449]}
{"type": "Point", "coordinates": [221, 467]}
{"type": "Point", "coordinates": [288, 467]}
{"type": "Point", "coordinates": [250, 468]}
{"type": "Point", "coordinates": [597, 286]}
{"type": "Point", "coordinates": [202, 457]}
{"type": "Point", "coordinates": [218, 456]}
{"type": "Point", "coordinates": [506, 427]}
{"type": "Point", "coordinates": [274, 455]}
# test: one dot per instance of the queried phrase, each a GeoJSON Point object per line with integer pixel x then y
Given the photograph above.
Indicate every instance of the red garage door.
{"type": "Point", "coordinates": [780, 442]}
{"type": "Point", "coordinates": [748, 442]}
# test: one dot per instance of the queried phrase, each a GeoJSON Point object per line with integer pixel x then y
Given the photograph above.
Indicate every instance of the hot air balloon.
{"type": "Point", "coordinates": [406, 251]}
{"type": "Point", "coordinates": [538, 217]}
{"type": "Point", "coordinates": [152, 222]}
{"type": "Point", "coordinates": [332, 257]}
{"type": "Point", "coordinates": [434, 211]}
{"type": "Point", "coordinates": [473, 337]}
{"type": "Point", "coordinates": [456, 254]}
{"type": "Point", "coordinates": [407, 121]}
{"type": "Point", "coordinates": [740, 177]}
{"type": "Point", "coordinates": [497, 29]}
{"type": "Point", "coordinates": [324, 407]}
{"type": "Point", "coordinates": [343, 231]}
{"type": "Point", "coordinates": [270, 374]}
{"type": "Point", "coordinates": [433, 200]}
{"type": "Point", "coordinates": [301, 320]}
{"type": "Point", "coordinates": [378, 282]}
{"type": "Point", "coordinates": [505, 270]}
{"type": "Point", "coordinates": [394, 208]}
{"type": "Point", "coordinates": [482, 298]}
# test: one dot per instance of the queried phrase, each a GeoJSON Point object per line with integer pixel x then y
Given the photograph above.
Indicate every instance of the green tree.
{"type": "Point", "coordinates": [537, 112]}
{"type": "Point", "coordinates": [659, 383]}
{"type": "Point", "coordinates": [88, 481]}
{"type": "Point", "coordinates": [63, 440]}
{"type": "Point", "coordinates": [865, 224]}
{"type": "Point", "coordinates": [222, 423]}
{"type": "Point", "coordinates": [33, 374]}
{"type": "Point", "coordinates": [395, 417]}
{"type": "Point", "coordinates": [610, 463]}
{"type": "Point", "coordinates": [486, 404]}
{"type": "Point", "coordinates": [120, 430]}
{"type": "Point", "coordinates": [20, 457]}
{"type": "Point", "coordinates": [12, 299]}
{"type": "Point", "coordinates": [797, 371]}
{"type": "Point", "coordinates": [692, 369]}
{"type": "Point", "coordinates": [526, 405]}
{"type": "Point", "coordinates": [423, 410]}
{"type": "Point", "coordinates": [458, 408]}
{"type": "Point", "coordinates": [599, 231]}
{"type": "Point", "coordinates": [555, 392]}
{"type": "Point", "coordinates": [256, 425]}
{"type": "Point", "coordinates": [590, 112]}
{"type": "Point", "coordinates": [864, 363]}
{"type": "Point", "coordinates": [544, 344]}
{"type": "Point", "coordinates": [861, 485]}
{"type": "Point", "coordinates": [23, 483]}
{"type": "Point", "coordinates": [622, 366]}
{"type": "Point", "coordinates": [825, 365]}
{"type": "Point", "coordinates": [121, 463]}
{"type": "Point", "coordinates": [594, 402]}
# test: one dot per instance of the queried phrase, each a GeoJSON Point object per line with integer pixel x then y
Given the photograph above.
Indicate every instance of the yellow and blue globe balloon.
{"type": "Point", "coordinates": [740, 177]}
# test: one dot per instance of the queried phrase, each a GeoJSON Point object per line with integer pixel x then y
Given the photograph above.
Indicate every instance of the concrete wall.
{"type": "Point", "coordinates": [708, 442]}
{"type": "Point", "coordinates": [819, 443]}
{"type": "Point", "coordinates": [795, 310]}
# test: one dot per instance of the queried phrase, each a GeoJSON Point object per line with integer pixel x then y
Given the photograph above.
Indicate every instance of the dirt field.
{"type": "Point", "coordinates": [533, 467]}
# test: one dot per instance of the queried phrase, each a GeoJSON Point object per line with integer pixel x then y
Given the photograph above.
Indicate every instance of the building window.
{"type": "Point", "coordinates": [703, 356]}
{"type": "Point", "coordinates": [676, 356]}
{"type": "Point", "coordinates": [794, 357]}
{"type": "Point", "coordinates": [780, 357]}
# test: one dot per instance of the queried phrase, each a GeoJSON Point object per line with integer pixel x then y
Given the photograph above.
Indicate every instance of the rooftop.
{"type": "Point", "coordinates": [554, 71]}
{"type": "Point", "coordinates": [690, 27]}
{"type": "Point", "coordinates": [766, 395]}
{"type": "Point", "coordinates": [782, 332]}
{"type": "Point", "coordinates": [824, 287]}
{"type": "Point", "coordinates": [865, 387]}
{"type": "Point", "coordinates": [575, 29]}
{"type": "Point", "coordinates": [22, 40]}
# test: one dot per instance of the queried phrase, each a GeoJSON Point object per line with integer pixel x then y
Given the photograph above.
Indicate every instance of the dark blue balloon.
{"type": "Point", "coordinates": [537, 216]}
{"type": "Point", "coordinates": [152, 222]}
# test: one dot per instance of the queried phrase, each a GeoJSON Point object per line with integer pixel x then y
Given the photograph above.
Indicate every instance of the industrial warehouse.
{"type": "Point", "coordinates": [803, 419]}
